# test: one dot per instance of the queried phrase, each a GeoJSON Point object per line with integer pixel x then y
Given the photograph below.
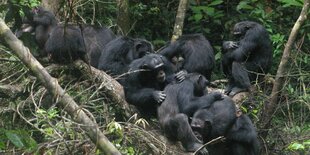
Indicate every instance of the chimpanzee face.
{"type": "Point", "coordinates": [241, 28]}
{"type": "Point", "coordinates": [154, 67]}
{"type": "Point", "coordinates": [201, 123]}
{"type": "Point", "coordinates": [37, 10]}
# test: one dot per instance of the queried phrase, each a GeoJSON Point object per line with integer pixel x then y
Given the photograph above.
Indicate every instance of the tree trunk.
{"type": "Point", "coordinates": [179, 20]}
{"type": "Point", "coordinates": [270, 107]}
{"type": "Point", "coordinates": [52, 6]}
{"type": "Point", "coordinates": [51, 84]}
{"type": "Point", "coordinates": [123, 20]}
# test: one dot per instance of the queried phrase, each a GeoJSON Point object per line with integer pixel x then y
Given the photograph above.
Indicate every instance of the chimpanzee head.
{"type": "Point", "coordinates": [153, 66]}
{"type": "Point", "coordinates": [200, 83]}
{"type": "Point", "coordinates": [142, 47]}
{"type": "Point", "coordinates": [37, 10]}
{"type": "Point", "coordinates": [201, 123]}
{"type": "Point", "coordinates": [241, 28]}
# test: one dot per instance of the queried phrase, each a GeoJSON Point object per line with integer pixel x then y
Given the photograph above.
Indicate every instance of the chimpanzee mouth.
{"type": "Point", "coordinates": [237, 33]}
{"type": "Point", "coordinates": [159, 65]}
{"type": "Point", "coordinates": [161, 79]}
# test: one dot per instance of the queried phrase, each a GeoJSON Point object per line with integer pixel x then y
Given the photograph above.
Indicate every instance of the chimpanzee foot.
{"type": "Point", "coordinates": [228, 89]}
{"type": "Point", "coordinates": [194, 147]}
{"type": "Point", "coordinates": [236, 90]}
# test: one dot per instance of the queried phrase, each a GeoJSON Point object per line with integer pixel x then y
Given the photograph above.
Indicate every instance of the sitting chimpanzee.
{"type": "Point", "coordinates": [182, 100]}
{"type": "Point", "coordinates": [120, 52]}
{"type": "Point", "coordinates": [222, 119]}
{"type": "Point", "coordinates": [246, 58]}
{"type": "Point", "coordinates": [196, 52]}
{"type": "Point", "coordinates": [145, 81]}
{"type": "Point", "coordinates": [95, 39]}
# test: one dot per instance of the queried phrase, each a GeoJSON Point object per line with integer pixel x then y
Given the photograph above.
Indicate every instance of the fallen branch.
{"type": "Point", "coordinates": [51, 84]}
{"type": "Point", "coordinates": [210, 142]}
{"type": "Point", "coordinates": [108, 85]}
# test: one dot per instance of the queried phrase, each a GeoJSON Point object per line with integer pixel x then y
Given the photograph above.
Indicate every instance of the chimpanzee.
{"type": "Point", "coordinates": [145, 81]}
{"type": "Point", "coordinates": [120, 52]}
{"type": "Point", "coordinates": [222, 119]}
{"type": "Point", "coordinates": [67, 41]}
{"type": "Point", "coordinates": [66, 44]}
{"type": "Point", "coordinates": [41, 22]}
{"type": "Point", "coordinates": [95, 39]}
{"type": "Point", "coordinates": [246, 58]}
{"type": "Point", "coordinates": [196, 51]}
{"type": "Point", "coordinates": [182, 100]}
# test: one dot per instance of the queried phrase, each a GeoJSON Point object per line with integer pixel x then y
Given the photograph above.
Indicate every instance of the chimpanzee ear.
{"type": "Point", "coordinates": [138, 45]}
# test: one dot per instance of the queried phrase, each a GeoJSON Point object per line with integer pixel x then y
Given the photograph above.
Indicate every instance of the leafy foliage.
{"type": "Point", "coordinates": [30, 118]}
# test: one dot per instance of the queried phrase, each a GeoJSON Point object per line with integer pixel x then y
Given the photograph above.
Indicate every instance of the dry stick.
{"type": "Point", "coordinates": [270, 107]}
{"type": "Point", "coordinates": [65, 101]}
{"type": "Point", "coordinates": [211, 141]}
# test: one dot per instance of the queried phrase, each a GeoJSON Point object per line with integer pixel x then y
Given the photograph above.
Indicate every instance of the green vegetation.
{"type": "Point", "coordinates": [30, 121]}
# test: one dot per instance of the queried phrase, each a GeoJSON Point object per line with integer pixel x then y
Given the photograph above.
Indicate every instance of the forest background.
{"type": "Point", "coordinates": [31, 122]}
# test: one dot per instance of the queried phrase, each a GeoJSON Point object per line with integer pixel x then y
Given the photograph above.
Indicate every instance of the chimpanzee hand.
{"type": "Point", "coordinates": [180, 76]}
{"type": "Point", "coordinates": [217, 96]}
{"type": "Point", "coordinates": [230, 45]}
{"type": "Point", "coordinates": [159, 96]}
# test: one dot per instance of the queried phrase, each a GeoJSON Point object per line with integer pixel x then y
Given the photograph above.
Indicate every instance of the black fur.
{"type": "Point", "coordinates": [41, 22]}
{"type": "Point", "coordinates": [120, 52]}
{"type": "Point", "coordinates": [250, 55]}
{"type": "Point", "coordinates": [220, 119]}
{"type": "Point", "coordinates": [146, 79]}
{"type": "Point", "coordinates": [182, 100]}
{"type": "Point", "coordinates": [66, 44]}
{"type": "Point", "coordinates": [95, 39]}
{"type": "Point", "coordinates": [196, 51]}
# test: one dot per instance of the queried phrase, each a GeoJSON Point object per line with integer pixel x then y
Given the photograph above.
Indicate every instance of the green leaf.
{"type": "Point", "coordinates": [216, 2]}
{"type": "Point", "coordinates": [218, 56]}
{"type": "Point", "coordinates": [210, 11]}
{"type": "Point", "coordinates": [244, 5]}
{"type": "Point", "coordinates": [14, 138]}
{"type": "Point", "coordinates": [296, 146]}
{"type": "Point", "coordinates": [197, 17]}
{"type": "Point", "coordinates": [288, 3]}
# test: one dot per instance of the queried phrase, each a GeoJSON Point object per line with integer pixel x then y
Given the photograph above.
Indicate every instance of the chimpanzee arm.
{"type": "Point", "coordinates": [200, 102]}
{"type": "Point", "coordinates": [45, 18]}
{"type": "Point", "coordinates": [172, 49]}
{"type": "Point", "coordinates": [246, 45]}
{"type": "Point", "coordinates": [140, 97]}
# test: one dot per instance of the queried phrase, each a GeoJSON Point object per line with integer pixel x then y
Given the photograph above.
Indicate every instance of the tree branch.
{"type": "Point", "coordinates": [270, 107]}
{"type": "Point", "coordinates": [51, 84]}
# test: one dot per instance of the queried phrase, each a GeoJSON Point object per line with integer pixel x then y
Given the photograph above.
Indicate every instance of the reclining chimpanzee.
{"type": "Point", "coordinates": [196, 52]}
{"type": "Point", "coordinates": [221, 119]}
{"type": "Point", "coordinates": [120, 52]}
{"type": "Point", "coordinates": [182, 100]}
{"type": "Point", "coordinates": [245, 59]}
{"type": "Point", "coordinates": [67, 42]}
